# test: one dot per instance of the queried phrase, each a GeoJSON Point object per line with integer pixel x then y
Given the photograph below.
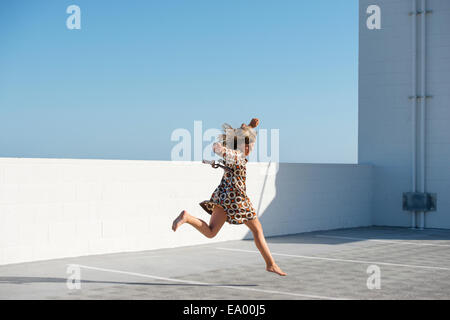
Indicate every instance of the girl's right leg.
{"type": "Point", "coordinates": [218, 218]}
{"type": "Point", "coordinates": [260, 241]}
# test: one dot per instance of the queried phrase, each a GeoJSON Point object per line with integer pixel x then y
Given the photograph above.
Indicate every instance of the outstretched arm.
{"type": "Point", "coordinates": [219, 149]}
{"type": "Point", "coordinates": [229, 155]}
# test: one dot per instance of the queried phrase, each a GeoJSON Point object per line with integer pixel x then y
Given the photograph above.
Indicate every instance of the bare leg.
{"type": "Point", "coordinates": [258, 235]}
{"type": "Point", "coordinates": [218, 218]}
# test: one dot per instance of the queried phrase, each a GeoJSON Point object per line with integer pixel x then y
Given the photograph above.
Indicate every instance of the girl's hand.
{"type": "Point", "coordinates": [254, 123]}
{"type": "Point", "coordinates": [218, 148]}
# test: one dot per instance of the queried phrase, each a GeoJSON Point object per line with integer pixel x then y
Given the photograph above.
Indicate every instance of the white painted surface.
{"type": "Point", "coordinates": [136, 274]}
{"type": "Point", "coordinates": [54, 208]}
{"type": "Point", "coordinates": [385, 113]}
{"type": "Point", "coordinates": [383, 263]}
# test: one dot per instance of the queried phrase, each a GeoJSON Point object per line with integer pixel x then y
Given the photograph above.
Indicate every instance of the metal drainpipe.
{"type": "Point", "coordinates": [423, 106]}
{"type": "Point", "coordinates": [414, 105]}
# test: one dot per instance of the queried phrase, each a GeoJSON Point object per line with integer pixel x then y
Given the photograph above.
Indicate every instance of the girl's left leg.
{"type": "Point", "coordinates": [218, 218]}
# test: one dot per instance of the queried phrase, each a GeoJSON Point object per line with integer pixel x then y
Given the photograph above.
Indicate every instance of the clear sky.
{"type": "Point", "coordinates": [137, 70]}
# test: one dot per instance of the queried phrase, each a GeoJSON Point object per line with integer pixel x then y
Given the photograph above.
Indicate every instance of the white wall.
{"type": "Point", "coordinates": [385, 116]}
{"type": "Point", "coordinates": [53, 208]}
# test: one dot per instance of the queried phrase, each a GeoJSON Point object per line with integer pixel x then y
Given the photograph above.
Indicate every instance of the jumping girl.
{"type": "Point", "coordinates": [229, 202]}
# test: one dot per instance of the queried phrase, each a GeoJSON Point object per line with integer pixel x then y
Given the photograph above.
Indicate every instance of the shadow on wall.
{"type": "Point", "coordinates": [301, 198]}
{"type": "Point", "coordinates": [278, 206]}
{"type": "Point", "coordinates": [377, 234]}
{"type": "Point", "coordinates": [297, 198]}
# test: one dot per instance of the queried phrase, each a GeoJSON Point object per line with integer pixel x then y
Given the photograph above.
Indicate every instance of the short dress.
{"type": "Point", "coordinates": [231, 193]}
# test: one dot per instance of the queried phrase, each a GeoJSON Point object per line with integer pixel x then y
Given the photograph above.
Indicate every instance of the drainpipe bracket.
{"type": "Point", "coordinates": [419, 12]}
{"type": "Point", "coordinates": [419, 97]}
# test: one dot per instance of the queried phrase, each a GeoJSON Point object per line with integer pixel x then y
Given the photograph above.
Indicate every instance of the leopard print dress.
{"type": "Point", "coordinates": [231, 193]}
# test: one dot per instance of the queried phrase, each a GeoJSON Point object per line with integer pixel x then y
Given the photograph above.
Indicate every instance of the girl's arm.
{"type": "Point", "coordinates": [219, 149]}
{"type": "Point", "coordinates": [229, 155]}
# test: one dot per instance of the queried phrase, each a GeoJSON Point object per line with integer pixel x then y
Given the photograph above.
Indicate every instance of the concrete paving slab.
{"type": "Point", "coordinates": [330, 264]}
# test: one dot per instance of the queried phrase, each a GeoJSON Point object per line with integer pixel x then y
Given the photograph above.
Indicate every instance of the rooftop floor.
{"type": "Point", "coordinates": [331, 264]}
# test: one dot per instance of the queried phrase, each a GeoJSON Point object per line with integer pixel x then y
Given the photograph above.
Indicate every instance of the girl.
{"type": "Point", "coordinates": [229, 202]}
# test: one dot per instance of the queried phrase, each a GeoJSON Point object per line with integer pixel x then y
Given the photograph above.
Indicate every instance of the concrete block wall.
{"type": "Point", "coordinates": [54, 208]}
{"type": "Point", "coordinates": [385, 112]}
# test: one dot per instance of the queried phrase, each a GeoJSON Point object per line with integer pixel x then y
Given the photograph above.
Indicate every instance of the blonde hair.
{"type": "Point", "coordinates": [233, 137]}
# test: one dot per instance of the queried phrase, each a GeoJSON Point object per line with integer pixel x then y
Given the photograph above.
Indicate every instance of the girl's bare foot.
{"type": "Point", "coordinates": [182, 218]}
{"type": "Point", "coordinates": [276, 269]}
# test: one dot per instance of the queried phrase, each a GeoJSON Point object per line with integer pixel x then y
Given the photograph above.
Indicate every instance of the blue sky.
{"type": "Point", "coordinates": [138, 70]}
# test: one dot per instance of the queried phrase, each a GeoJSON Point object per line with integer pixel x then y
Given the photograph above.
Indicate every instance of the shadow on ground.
{"type": "Point", "coordinates": [24, 280]}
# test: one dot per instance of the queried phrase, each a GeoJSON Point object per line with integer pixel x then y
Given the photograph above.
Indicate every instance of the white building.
{"type": "Point", "coordinates": [404, 106]}
{"type": "Point", "coordinates": [54, 208]}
